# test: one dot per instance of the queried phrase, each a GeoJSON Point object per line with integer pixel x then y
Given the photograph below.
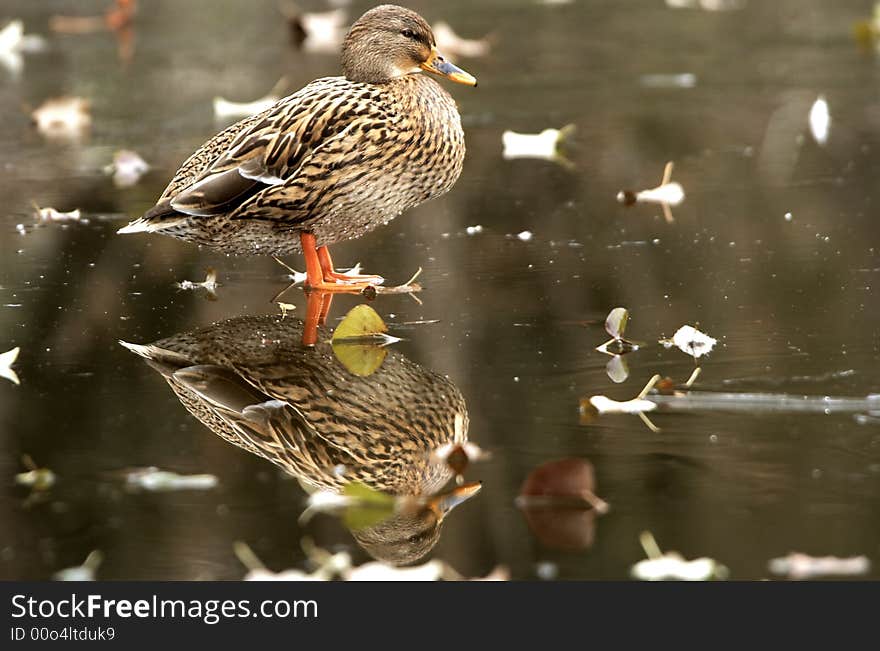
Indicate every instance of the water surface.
{"type": "Point", "coordinates": [774, 252]}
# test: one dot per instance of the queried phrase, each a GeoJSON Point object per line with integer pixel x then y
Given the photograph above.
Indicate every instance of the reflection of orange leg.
{"type": "Point", "coordinates": [317, 309]}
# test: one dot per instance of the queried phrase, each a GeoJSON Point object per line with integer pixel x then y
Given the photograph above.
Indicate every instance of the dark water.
{"type": "Point", "coordinates": [792, 301]}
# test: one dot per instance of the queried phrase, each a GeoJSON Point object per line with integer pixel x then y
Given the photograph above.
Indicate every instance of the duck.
{"type": "Point", "coordinates": [331, 162]}
{"type": "Point", "coordinates": [250, 381]}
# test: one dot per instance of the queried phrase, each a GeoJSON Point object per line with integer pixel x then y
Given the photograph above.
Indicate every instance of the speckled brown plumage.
{"type": "Point", "coordinates": [251, 382]}
{"type": "Point", "coordinates": [381, 427]}
{"type": "Point", "coordinates": [336, 159]}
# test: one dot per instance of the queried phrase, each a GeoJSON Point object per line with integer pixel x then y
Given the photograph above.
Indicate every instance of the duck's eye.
{"type": "Point", "coordinates": [408, 33]}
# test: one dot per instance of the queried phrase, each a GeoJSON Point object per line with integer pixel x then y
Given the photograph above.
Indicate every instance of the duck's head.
{"type": "Point", "coordinates": [389, 42]}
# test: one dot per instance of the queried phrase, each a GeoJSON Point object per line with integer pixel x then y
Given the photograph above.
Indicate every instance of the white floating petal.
{"type": "Point", "coordinates": [802, 566]}
{"type": "Point", "coordinates": [672, 566]}
{"type": "Point", "coordinates": [375, 571]}
{"type": "Point", "coordinates": [12, 36]}
{"type": "Point", "coordinates": [52, 215]}
{"type": "Point", "coordinates": [223, 108]}
{"type": "Point", "coordinates": [84, 572]}
{"type": "Point", "coordinates": [325, 30]}
{"type": "Point", "coordinates": [153, 479]}
{"type": "Point", "coordinates": [531, 145]}
{"type": "Point", "coordinates": [674, 80]}
{"type": "Point", "coordinates": [820, 120]}
{"type": "Point", "coordinates": [127, 168]}
{"type": "Point", "coordinates": [691, 341]}
{"type": "Point", "coordinates": [668, 193]}
{"type": "Point", "coordinates": [605, 405]}
{"type": "Point", "coordinates": [452, 44]}
{"type": "Point", "coordinates": [7, 359]}
{"type": "Point", "coordinates": [63, 116]}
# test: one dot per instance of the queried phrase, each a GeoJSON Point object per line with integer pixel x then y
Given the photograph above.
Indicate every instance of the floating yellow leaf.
{"type": "Point", "coordinates": [361, 322]}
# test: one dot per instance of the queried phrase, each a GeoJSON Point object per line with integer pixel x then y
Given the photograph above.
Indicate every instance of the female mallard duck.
{"type": "Point", "coordinates": [250, 382]}
{"type": "Point", "coordinates": [330, 162]}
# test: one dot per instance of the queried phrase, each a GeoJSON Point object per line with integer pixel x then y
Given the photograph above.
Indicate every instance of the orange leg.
{"type": "Point", "coordinates": [330, 274]}
{"type": "Point", "coordinates": [320, 274]}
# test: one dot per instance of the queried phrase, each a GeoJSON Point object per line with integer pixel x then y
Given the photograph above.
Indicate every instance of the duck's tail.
{"type": "Point", "coordinates": [159, 218]}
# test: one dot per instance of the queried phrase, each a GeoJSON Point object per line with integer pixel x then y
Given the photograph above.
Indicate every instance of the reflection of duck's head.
{"type": "Point", "coordinates": [251, 382]}
{"type": "Point", "coordinates": [411, 533]}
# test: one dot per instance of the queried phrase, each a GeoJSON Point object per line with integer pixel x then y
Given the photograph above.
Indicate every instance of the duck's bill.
{"type": "Point", "coordinates": [439, 66]}
{"type": "Point", "coordinates": [444, 503]}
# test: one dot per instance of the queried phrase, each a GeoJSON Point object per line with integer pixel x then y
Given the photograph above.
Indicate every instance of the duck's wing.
{"type": "Point", "coordinates": [272, 146]}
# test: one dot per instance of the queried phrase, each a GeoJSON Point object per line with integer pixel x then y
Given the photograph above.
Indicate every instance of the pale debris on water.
{"type": "Point", "coordinates": [7, 359]}
{"type": "Point", "coordinates": [673, 566]}
{"type": "Point", "coordinates": [127, 168]}
{"type": "Point", "coordinates": [455, 46]}
{"type": "Point", "coordinates": [802, 566]}
{"type": "Point", "coordinates": [605, 405]}
{"type": "Point", "coordinates": [668, 193]}
{"type": "Point", "coordinates": [672, 80]}
{"type": "Point", "coordinates": [320, 32]}
{"type": "Point", "coordinates": [53, 215]}
{"type": "Point", "coordinates": [544, 145]}
{"type": "Point", "coordinates": [376, 571]}
{"type": "Point", "coordinates": [691, 341]}
{"type": "Point", "coordinates": [433, 570]}
{"type": "Point", "coordinates": [707, 5]}
{"type": "Point", "coordinates": [14, 42]}
{"type": "Point", "coordinates": [84, 572]}
{"type": "Point", "coordinates": [209, 284]}
{"type": "Point", "coordinates": [339, 565]}
{"type": "Point", "coordinates": [638, 406]}
{"type": "Point", "coordinates": [36, 478]}
{"type": "Point", "coordinates": [63, 117]}
{"type": "Point", "coordinates": [330, 565]}
{"type": "Point", "coordinates": [154, 479]}
{"type": "Point", "coordinates": [820, 120]}
{"type": "Point", "coordinates": [224, 108]}
{"type": "Point", "coordinates": [285, 308]}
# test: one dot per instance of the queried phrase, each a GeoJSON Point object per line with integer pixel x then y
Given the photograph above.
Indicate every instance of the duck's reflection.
{"type": "Point", "coordinates": [252, 382]}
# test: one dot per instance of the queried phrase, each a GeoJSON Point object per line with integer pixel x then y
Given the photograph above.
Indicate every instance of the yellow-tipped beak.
{"type": "Point", "coordinates": [440, 66]}
{"type": "Point", "coordinates": [444, 503]}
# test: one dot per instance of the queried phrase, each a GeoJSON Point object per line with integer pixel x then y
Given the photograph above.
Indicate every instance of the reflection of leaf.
{"type": "Point", "coordinates": [360, 359]}
{"type": "Point", "coordinates": [362, 321]}
{"type": "Point", "coordinates": [615, 323]}
{"type": "Point", "coordinates": [564, 483]}
{"type": "Point", "coordinates": [558, 502]}
{"type": "Point", "coordinates": [367, 508]}
{"type": "Point", "coordinates": [358, 339]}
{"type": "Point", "coordinates": [617, 369]}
